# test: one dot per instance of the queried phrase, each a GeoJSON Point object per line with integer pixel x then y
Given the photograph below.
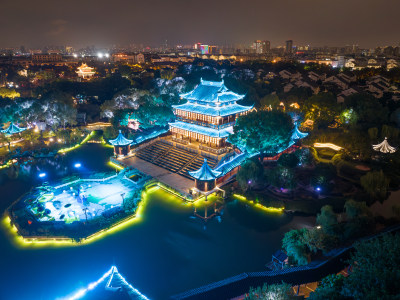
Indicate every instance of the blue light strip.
{"type": "Point", "coordinates": [133, 290]}
{"type": "Point", "coordinates": [213, 110]}
{"type": "Point", "coordinates": [203, 130]}
{"type": "Point", "coordinates": [82, 292]}
{"type": "Point", "coordinates": [112, 272]}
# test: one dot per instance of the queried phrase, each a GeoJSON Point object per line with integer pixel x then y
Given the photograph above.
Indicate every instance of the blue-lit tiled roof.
{"type": "Point", "coordinates": [297, 134]}
{"type": "Point", "coordinates": [203, 130]}
{"type": "Point", "coordinates": [149, 135]}
{"type": "Point", "coordinates": [214, 111]}
{"type": "Point", "coordinates": [120, 140]}
{"type": "Point", "coordinates": [12, 129]}
{"type": "Point", "coordinates": [205, 172]}
{"type": "Point", "coordinates": [212, 91]}
{"type": "Point", "coordinates": [232, 163]}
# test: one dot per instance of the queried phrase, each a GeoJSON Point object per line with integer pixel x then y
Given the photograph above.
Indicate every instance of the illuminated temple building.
{"type": "Point", "coordinates": [195, 152]}
{"type": "Point", "coordinates": [85, 72]}
{"type": "Point", "coordinates": [208, 115]}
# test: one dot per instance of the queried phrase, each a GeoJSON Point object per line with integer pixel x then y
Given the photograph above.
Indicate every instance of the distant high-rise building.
{"type": "Point", "coordinates": [212, 49]}
{"type": "Point", "coordinates": [204, 49]}
{"type": "Point", "coordinates": [257, 46]}
{"type": "Point", "coordinates": [261, 47]}
{"type": "Point", "coordinates": [197, 46]}
{"type": "Point", "coordinates": [266, 46]}
{"type": "Point", "coordinates": [289, 46]}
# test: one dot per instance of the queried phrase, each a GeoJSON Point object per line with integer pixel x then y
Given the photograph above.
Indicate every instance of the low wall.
{"type": "Point", "coordinates": [240, 284]}
{"type": "Point", "coordinates": [80, 179]}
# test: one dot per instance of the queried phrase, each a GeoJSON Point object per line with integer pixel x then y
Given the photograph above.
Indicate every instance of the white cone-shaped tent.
{"type": "Point", "coordinates": [384, 147]}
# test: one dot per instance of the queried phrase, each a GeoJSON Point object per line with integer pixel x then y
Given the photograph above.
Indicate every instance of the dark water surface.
{"type": "Point", "coordinates": [164, 253]}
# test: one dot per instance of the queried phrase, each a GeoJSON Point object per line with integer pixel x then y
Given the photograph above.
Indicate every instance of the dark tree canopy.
{"type": "Point", "coordinates": [250, 172]}
{"type": "Point", "coordinates": [262, 132]}
{"type": "Point", "coordinates": [376, 266]}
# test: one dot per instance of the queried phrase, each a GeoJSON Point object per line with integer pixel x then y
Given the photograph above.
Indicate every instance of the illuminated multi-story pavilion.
{"type": "Point", "coordinates": [208, 115]}
{"type": "Point", "coordinates": [85, 72]}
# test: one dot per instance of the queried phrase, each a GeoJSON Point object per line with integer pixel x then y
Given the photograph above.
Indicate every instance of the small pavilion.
{"type": "Point", "coordinates": [384, 147]}
{"type": "Point", "coordinates": [297, 134]}
{"type": "Point", "coordinates": [122, 146]}
{"type": "Point", "coordinates": [205, 179]}
{"type": "Point", "coordinates": [12, 129]}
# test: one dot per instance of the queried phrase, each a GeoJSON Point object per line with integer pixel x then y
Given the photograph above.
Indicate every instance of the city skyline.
{"type": "Point", "coordinates": [222, 23]}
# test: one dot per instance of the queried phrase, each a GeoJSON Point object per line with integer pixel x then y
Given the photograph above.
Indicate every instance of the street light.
{"type": "Point", "coordinates": [41, 175]}
{"type": "Point", "coordinates": [77, 165]}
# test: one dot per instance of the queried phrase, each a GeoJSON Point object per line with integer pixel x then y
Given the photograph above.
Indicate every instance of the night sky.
{"type": "Point", "coordinates": [367, 23]}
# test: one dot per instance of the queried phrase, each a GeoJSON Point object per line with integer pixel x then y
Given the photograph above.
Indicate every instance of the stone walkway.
{"type": "Point", "coordinates": [174, 180]}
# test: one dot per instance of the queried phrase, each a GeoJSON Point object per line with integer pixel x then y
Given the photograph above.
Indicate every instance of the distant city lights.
{"type": "Point", "coordinates": [102, 55]}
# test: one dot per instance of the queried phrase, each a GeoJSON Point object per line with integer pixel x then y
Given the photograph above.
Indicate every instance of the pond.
{"type": "Point", "coordinates": [166, 252]}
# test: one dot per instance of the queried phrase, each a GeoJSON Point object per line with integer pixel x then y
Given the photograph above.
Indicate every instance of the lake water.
{"type": "Point", "coordinates": [166, 252]}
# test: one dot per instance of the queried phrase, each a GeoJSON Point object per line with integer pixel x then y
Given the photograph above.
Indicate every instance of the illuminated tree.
{"type": "Point", "coordinates": [349, 117]}
{"type": "Point", "coordinates": [316, 239]}
{"type": "Point", "coordinates": [30, 135]}
{"type": "Point", "coordinates": [167, 74]}
{"type": "Point", "coordinates": [67, 114]}
{"type": "Point", "coordinates": [282, 291]}
{"type": "Point", "coordinates": [5, 139]}
{"type": "Point", "coordinates": [9, 93]}
{"type": "Point", "coordinates": [296, 247]}
{"type": "Point", "coordinates": [321, 108]}
{"type": "Point", "coordinates": [262, 132]}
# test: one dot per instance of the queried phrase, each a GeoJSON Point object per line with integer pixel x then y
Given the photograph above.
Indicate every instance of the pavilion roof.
{"type": "Point", "coordinates": [384, 147]}
{"type": "Point", "coordinates": [205, 172]}
{"type": "Point", "coordinates": [212, 92]}
{"type": "Point", "coordinates": [120, 140]}
{"type": "Point", "coordinates": [222, 133]}
{"type": "Point", "coordinates": [12, 129]}
{"type": "Point", "coordinates": [297, 134]}
{"type": "Point", "coordinates": [232, 163]}
{"type": "Point", "coordinates": [224, 110]}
